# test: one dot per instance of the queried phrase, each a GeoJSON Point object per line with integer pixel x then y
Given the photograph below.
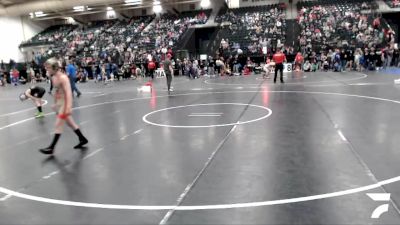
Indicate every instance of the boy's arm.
{"type": "Point", "coordinates": [66, 86]}
{"type": "Point", "coordinates": [28, 94]}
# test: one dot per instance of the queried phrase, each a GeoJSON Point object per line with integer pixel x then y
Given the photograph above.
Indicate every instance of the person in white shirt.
{"type": "Point", "coordinates": [307, 66]}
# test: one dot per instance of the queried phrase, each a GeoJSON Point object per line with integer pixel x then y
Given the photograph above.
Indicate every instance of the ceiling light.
{"type": "Point", "coordinates": [157, 8]}
{"type": "Point", "coordinates": [37, 14]}
{"type": "Point", "coordinates": [205, 3]}
{"type": "Point", "coordinates": [109, 8]}
{"type": "Point", "coordinates": [110, 14]}
{"type": "Point", "coordinates": [70, 20]}
{"type": "Point", "coordinates": [79, 8]}
{"type": "Point", "coordinates": [133, 1]}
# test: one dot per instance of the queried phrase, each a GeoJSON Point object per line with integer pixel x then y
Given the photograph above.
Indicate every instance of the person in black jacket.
{"type": "Point", "coordinates": [35, 93]}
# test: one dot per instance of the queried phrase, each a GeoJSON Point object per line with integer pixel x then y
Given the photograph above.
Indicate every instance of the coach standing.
{"type": "Point", "coordinates": [279, 58]}
{"type": "Point", "coordinates": [169, 71]}
{"type": "Point", "coordinates": [71, 72]}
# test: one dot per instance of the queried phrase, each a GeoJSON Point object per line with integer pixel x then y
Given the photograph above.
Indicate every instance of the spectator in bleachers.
{"type": "Point", "coordinates": [14, 76]}
{"type": "Point", "coordinates": [307, 66]}
{"type": "Point", "coordinates": [396, 56]}
{"type": "Point", "coordinates": [358, 59]}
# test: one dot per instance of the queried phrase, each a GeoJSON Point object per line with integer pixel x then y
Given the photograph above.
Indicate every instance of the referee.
{"type": "Point", "coordinates": [279, 58]}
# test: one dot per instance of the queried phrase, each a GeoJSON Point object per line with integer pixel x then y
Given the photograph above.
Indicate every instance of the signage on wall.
{"type": "Point", "coordinates": [287, 67]}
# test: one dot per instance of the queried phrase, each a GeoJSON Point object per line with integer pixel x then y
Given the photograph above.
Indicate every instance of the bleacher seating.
{"type": "Point", "coordinates": [252, 28]}
{"type": "Point", "coordinates": [167, 30]}
{"type": "Point", "coordinates": [340, 24]}
{"type": "Point", "coordinates": [122, 40]}
{"type": "Point", "coordinates": [363, 4]}
{"type": "Point", "coordinates": [324, 25]}
{"type": "Point", "coordinates": [393, 3]}
{"type": "Point", "coordinates": [50, 35]}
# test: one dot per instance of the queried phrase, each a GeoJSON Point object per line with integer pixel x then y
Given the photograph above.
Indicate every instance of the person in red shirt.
{"type": "Point", "coordinates": [133, 70]}
{"type": "Point", "coordinates": [170, 52]}
{"type": "Point", "coordinates": [298, 61]}
{"type": "Point", "coordinates": [152, 67]}
{"type": "Point", "coordinates": [279, 58]}
{"type": "Point", "coordinates": [15, 76]}
{"type": "Point", "coordinates": [376, 23]}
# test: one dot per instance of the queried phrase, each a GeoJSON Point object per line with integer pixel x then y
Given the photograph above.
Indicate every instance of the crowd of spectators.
{"type": "Point", "coordinates": [110, 49]}
{"type": "Point", "coordinates": [251, 29]}
{"type": "Point", "coordinates": [340, 60]}
{"type": "Point", "coordinates": [341, 25]}
{"type": "Point", "coordinates": [105, 38]}
{"type": "Point", "coordinates": [340, 36]}
{"type": "Point", "coordinates": [393, 3]}
{"type": "Point", "coordinates": [51, 35]}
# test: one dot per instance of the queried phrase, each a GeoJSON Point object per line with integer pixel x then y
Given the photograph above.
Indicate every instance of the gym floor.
{"type": "Point", "coordinates": [323, 148]}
